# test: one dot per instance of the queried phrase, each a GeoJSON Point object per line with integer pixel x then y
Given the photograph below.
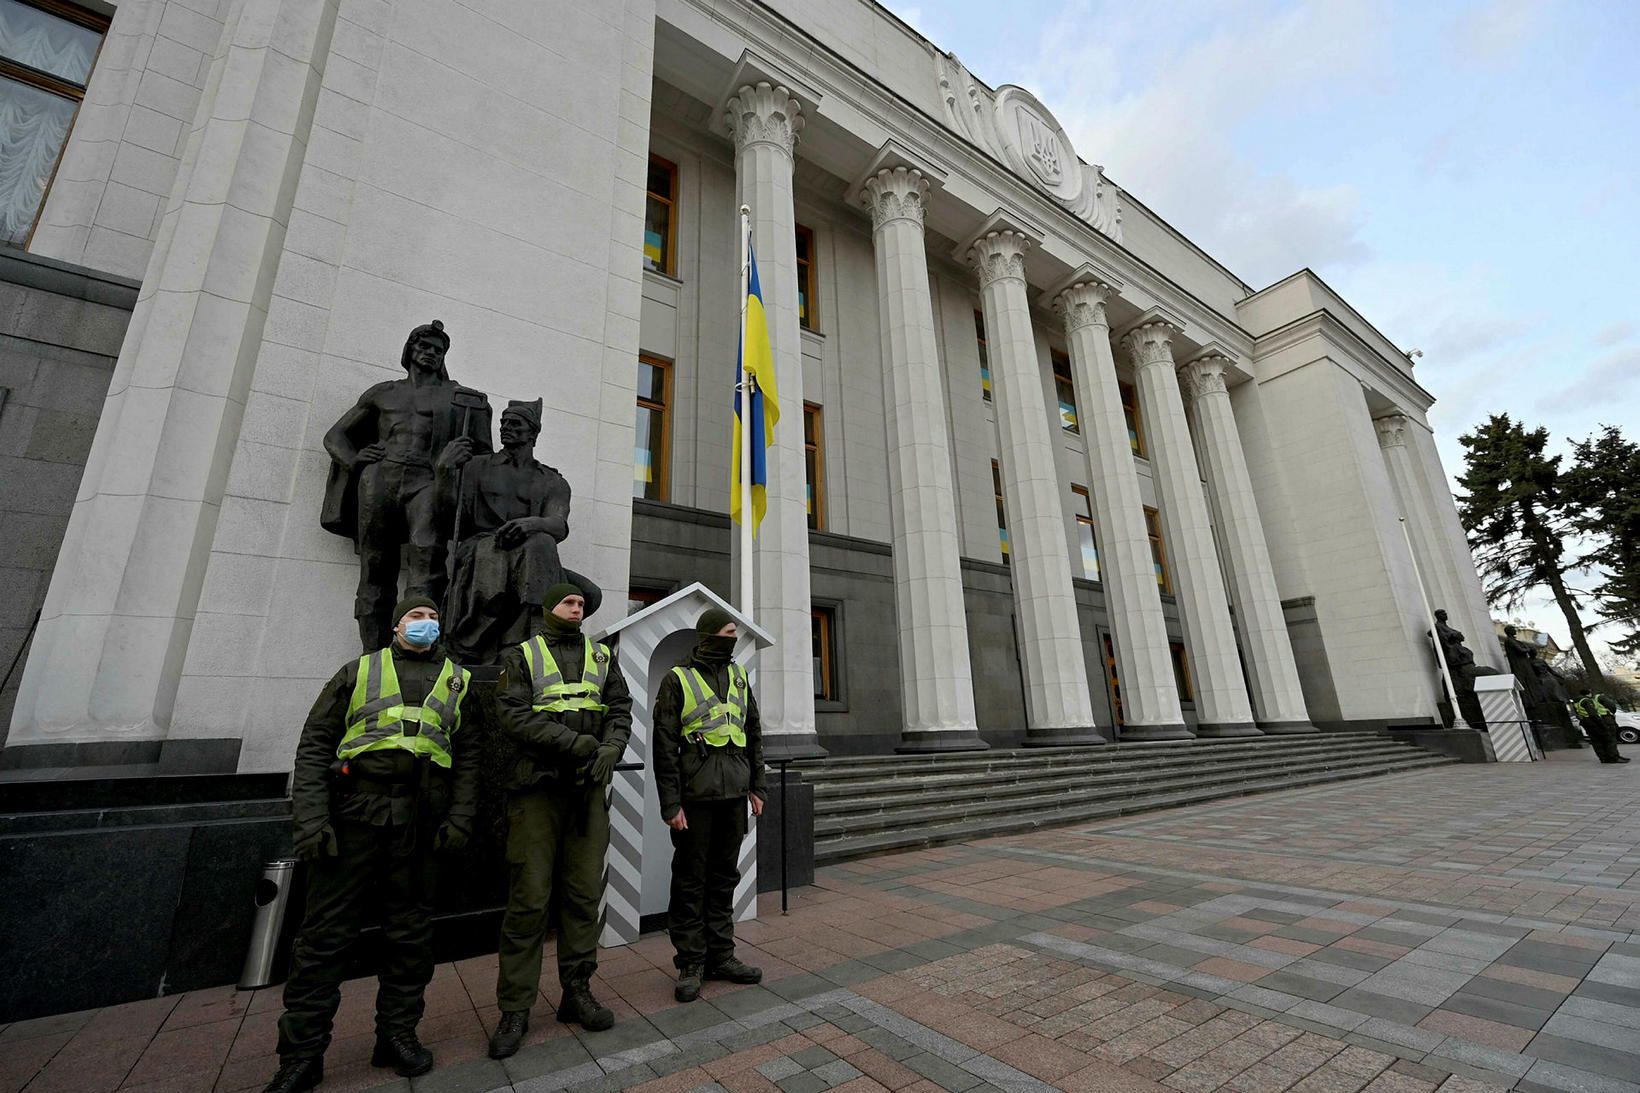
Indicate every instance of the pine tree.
{"type": "Point", "coordinates": [1519, 519]}
{"type": "Point", "coordinates": [1604, 485]}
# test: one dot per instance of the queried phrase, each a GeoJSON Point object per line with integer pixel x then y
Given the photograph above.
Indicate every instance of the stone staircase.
{"type": "Point", "coordinates": [871, 804]}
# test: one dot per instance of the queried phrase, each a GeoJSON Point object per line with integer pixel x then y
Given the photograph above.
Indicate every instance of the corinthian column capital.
{"type": "Point", "coordinates": [1083, 304]}
{"type": "Point", "coordinates": [1204, 375]}
{"type": "Point", "coordinates": [895, 193]}
{"type": "Point", "coordinates": [1000, 256]}
{"type": "Point", "coordinates": [1151, 342]}
{"type": "Point", "coordinates": [764, 113]}
{"type": "Point", "coordinates": [1392, 430]}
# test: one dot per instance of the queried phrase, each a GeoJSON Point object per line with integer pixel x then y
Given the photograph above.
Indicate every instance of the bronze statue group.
{"type": "Point", "coordinates": [386, 779]}
{"type": "Point", "coordinates": [1543, 693]}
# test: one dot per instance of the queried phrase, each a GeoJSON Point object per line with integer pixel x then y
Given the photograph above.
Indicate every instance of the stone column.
{"type": "Point", "coordinates": [1428, 547]}
{"type": "Point", "coordinates": [1278, 700]}
{"type": "Point", "coordinates": [1150, 700]}
{"type": "Point", "coordinates": [1057, 704]}
{"type": "Point", "coordinates": [108, 655]}
{"type": "Point", "coordinates": [764, 119]}
{"type": "Point", "coordinates": [936, 681]}
{"type": "Point", "coordinates": [1198, 584]}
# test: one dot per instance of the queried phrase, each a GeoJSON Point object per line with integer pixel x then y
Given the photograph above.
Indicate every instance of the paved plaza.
{"type": "Point", "coordinates": [1465, 929]}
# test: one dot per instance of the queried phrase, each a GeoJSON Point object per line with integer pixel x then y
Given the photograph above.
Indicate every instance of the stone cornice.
{"type": "Point", "coordinates": [834, 76]}
{"type": "Point", "coordinates": [1368, 364]}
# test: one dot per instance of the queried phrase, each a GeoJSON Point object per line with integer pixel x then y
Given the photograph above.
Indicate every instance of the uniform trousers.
{"type": "Point", "coordinates": [380, 873]}
{"type": "Point", "coordinates": [705, 871]}
{"type": "Point", "coordinates": [556, 837]}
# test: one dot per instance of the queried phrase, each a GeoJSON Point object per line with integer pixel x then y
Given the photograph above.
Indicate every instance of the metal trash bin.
{"type": "Point", "coordinates": [272, 899]}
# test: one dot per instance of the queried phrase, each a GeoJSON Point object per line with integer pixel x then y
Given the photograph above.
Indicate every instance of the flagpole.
{"type": "Point", "coordinates": [748, 387]}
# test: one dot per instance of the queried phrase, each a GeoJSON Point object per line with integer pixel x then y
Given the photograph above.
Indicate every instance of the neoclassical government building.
{"type": "Point", "coordinates": [1045, 472]}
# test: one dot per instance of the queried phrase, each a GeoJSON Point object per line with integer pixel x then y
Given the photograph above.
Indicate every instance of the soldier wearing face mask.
{"type": "Point", "coordinates": [708, 772]}
{"type": "Point", "coordinates": [384, 777]}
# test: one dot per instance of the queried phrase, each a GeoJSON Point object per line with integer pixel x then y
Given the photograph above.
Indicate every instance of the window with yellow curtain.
{"type": "Point", "coordinates": [984, 355]}
{"type": "Point", "coordinates": [1065, 390]}
{"type": "Point", "coordinates": [806, 303]}
{"type": "Point", "coordinates": [1002, 517]}
{"type": "Point", "coordinates": [1130, 411]}
{"type": "Point", "coordinates": [649, 467]}
{"type": "Point", "coordinates": [814, 466]}
{"type": "Point", "coordinates": [660, 217]}
{"type": "Point", "coordinates": [1158, 552]}
{"type": "Point", "coordinates": [1084, 533]}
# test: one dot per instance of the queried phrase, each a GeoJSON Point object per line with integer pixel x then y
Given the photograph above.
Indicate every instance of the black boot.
{"type": "Point", "coordinates": [403, 1052]}
{"type": "Point", "coordinates": [580, 1008]}
{"type": "Point", "coordinates": [733, 970]}
{"type": "Point", "coordinates": [295, 1075]}
{"type": "Point", "coordinates": [688, 986]}
{"type": "Point", "coordinates": [509, 1034]}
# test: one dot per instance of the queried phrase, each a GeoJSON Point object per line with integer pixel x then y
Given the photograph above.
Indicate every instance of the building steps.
{"type": "Point", "coordinates": [871, 804]}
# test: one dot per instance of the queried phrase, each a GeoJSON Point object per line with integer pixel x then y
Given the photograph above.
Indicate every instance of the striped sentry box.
{"type": "Point", "coordinates": [1507, 726]}
{"type": "Point", "coordinates": [638, 871]}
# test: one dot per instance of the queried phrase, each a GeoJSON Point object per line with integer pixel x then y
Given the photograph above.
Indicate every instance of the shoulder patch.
{"type": "Point", "coordinates": [455, 684]}
{"type": "Point", "coordinates": [601, 657]}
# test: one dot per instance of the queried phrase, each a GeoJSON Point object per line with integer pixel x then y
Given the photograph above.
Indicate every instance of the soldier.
{"type": "Point", "coordinates": [383, 778]}
{"type": "Point", "coordinates": [380, 491]}
{"type": "Point", "coordinates": [1595, 711]}
{"type": "Point", "coordinates": [708, 768]}
{"type": "Point", "coordinates": [565, 704]}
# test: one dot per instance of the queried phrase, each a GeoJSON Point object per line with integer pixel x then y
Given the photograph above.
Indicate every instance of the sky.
{"type": "Point", "coordinates": [1463, 173]}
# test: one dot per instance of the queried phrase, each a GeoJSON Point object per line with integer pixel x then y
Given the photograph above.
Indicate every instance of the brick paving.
{"type": "Point", "coordinates": [1463, 930]}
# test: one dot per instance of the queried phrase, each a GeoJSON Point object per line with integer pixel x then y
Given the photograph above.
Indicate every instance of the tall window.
{"type": "Point", "coordinates": [1084, 533]}
{"type": "Point", "coordinates": [1158, 553]}
{"type": "Point", "coordinates": [47, 48]}
{"type": "Point", "coordinates": [823, 634]}
{"type": "Point", "coordinates": [649, 469]}
{"type": "Point", "coordinates": [1130, 411]}
{"type": "Point", "coordinates": [984, 354]}
{"type": "Point", "coordinates": [660, 217]}
{"type": "Point", "coordinates": [806, 299]}
{"type": "Point", "coordinates": [1065, 390]}
{"type": "Point", "coordinates": [1181, 671]}
{"type": "Point", "coordinates": [814, 465]}
{"type": "Point", "coordinates": [1002, 517]}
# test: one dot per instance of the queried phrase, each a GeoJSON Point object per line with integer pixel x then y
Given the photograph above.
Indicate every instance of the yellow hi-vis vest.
{"type": "Point", "coordinates": [717, 723]}
{"type": "Point", "coordinates": [378, 719]}
{"type": "Point", "coordinates": [552, 694]}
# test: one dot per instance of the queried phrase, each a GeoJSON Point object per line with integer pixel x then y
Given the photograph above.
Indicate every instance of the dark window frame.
{"type": "Point", "coordinates": [806, 316]}
{"type": "Point", "coordinates": [1085, 518]}
{"type": "Point", "coordinates": [53, 84]}
{"type": "Point", "coordinates": [1135, 421]}
{"type": "Point", "coordinates": [1158, 550]}
{"type": "Point", "coordinates": [983, 344]}
{"type": "Point", "coordinates": [662, 461]}
{"type": "Point", "coordinates": [669, 265]}
{"type": "Point", "coordinates": [813, 412]}
{"type": "Point", "coordinates": [1060, 362]}
{"type": "Point", "coordinates": [1003, 542]}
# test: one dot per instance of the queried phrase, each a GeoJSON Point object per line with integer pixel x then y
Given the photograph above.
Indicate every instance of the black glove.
{"type": "Point", "coordinates": [452, 835]}
{"type": "Point", "coordinates": [603, 764]}
{"type": "Point", "coordinates": [318, 843]}
{"type": "Point", "coordinates": [585, 744]}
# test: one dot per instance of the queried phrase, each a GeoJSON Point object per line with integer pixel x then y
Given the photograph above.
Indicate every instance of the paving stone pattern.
{"type": "Point", "coordinates": [1259, 947]}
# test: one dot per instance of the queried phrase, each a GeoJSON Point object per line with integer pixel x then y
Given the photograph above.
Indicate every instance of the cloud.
{"type": "Point", "coordinates": [1495, 33]}
{"type": "Point", "coordinates": [1163, 99]}
{"type": "Point", "coordinates": [1615, 334]}
{"type": "Point", "coordinates": [1615, 376]}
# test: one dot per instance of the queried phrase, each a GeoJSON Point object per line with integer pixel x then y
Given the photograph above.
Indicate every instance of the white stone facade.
{"type": "Point", "coordinates": [299, 182]}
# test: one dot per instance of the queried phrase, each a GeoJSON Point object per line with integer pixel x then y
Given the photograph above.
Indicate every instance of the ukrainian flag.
{"type": "Point", "coordinates": [757, 361]}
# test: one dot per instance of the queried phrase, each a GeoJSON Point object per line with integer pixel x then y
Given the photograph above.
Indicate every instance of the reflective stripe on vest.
{"type": "Point", "coordinates": [379, 719]}
{"type": "Point", "coordinates": [552, 694]}
{"type": "Point", "coordinates": [717, 723]}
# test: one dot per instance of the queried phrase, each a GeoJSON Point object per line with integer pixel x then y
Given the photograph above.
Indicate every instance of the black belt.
{"type": "Point", "coordinates": [384, 789]}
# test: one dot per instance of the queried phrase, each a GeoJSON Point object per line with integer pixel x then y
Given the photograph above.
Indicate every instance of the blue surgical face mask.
{"type": "Point", "coordinates": [421, 632]}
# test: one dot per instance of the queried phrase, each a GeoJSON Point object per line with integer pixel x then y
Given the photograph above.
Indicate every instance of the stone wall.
{"type": "Point", "coordinates": [60, 331]}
